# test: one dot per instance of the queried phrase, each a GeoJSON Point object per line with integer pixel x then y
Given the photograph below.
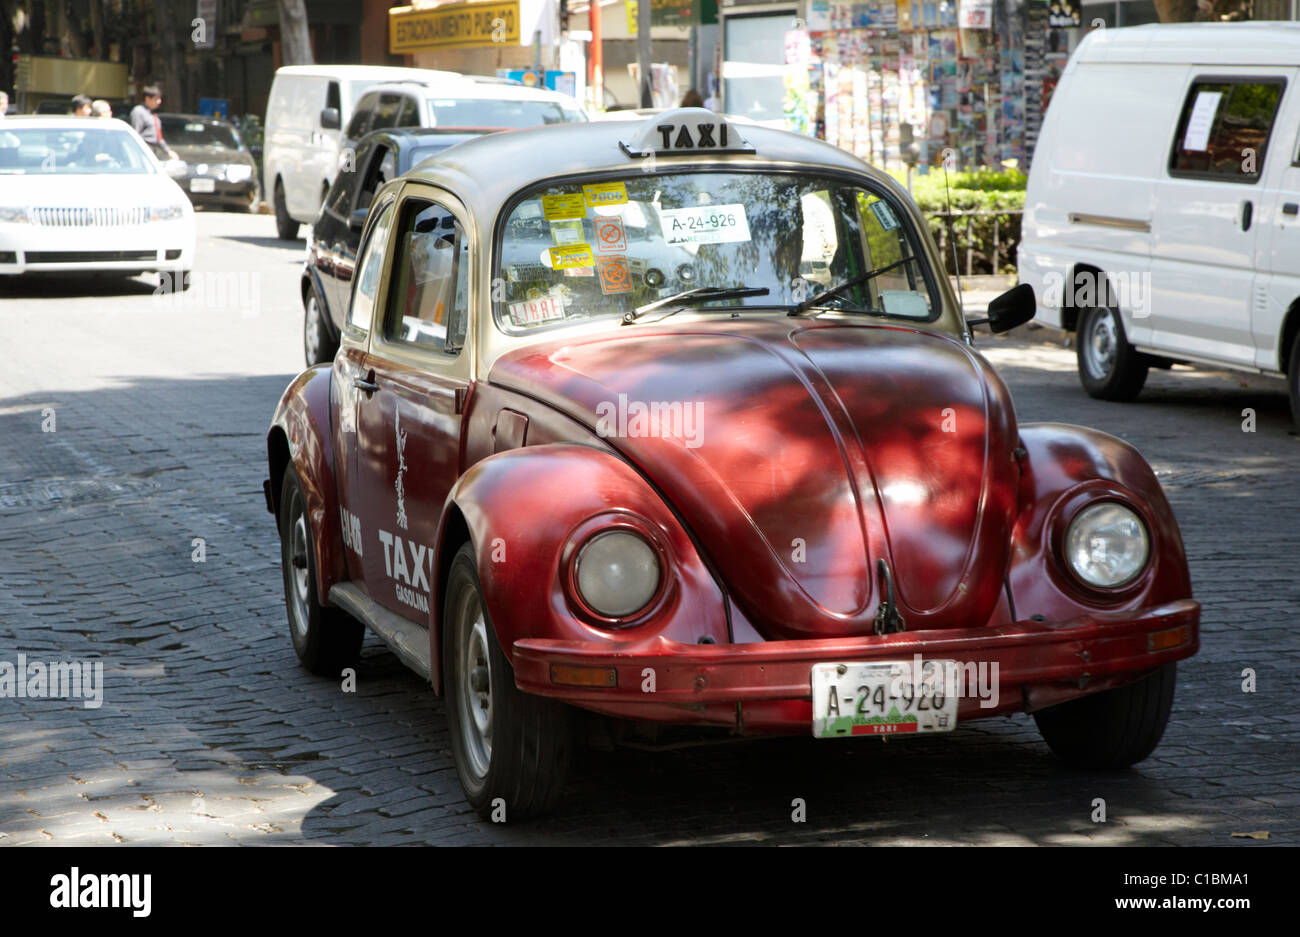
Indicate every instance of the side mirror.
{"type": "Point", "coordinates": [329, 118]}
{"type": "Point", "coordinates": [358, 219]}
{"type": "Point", "coordinates": [1014, 307]}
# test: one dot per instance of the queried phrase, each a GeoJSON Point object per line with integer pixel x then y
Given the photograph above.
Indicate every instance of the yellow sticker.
{"type": "Point", "coordinates": [567, 258]}
{"type": "Point", "coordinates": [605, 193]}
{"type": "Point", "coordinates": [560, 207]}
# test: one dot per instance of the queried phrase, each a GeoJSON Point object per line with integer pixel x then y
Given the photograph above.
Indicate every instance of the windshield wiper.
{"type": "Point", "coordinates": [680, 299]}
{"type": "Point", "coordinates": [836, 290]}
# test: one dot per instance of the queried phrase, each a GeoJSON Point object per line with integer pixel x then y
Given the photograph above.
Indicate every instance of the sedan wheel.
{"type": "Point", "coordinates": [319, 346]}
{"type": "Point", "coordinates": [512, 749]}
{"type": "Point", "coordinates": [1109, 367]}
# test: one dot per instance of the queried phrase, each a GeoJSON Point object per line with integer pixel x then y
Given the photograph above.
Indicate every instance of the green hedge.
{"type": "Point", "coordinates": [981, 190]}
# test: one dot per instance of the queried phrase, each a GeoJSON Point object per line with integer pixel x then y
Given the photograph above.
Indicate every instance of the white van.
{"type": "Point", "coordinates": [1162, 218]}
{"type": "Point", "coordinates": [308, 107]}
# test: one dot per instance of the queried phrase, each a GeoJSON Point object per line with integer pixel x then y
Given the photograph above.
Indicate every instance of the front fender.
{"type": "Point", "coordinates": [525, 510]}
{"type": "Point", "coordinates": [1064, 468]}
{"type": "Point", "coordinates": [302, 434]}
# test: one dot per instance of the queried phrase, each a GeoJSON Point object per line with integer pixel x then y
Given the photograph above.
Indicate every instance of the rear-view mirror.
{"type": "Point", "coordinates": [329, 118]}
{"type": "Point", "coordinates": [1014, 307]}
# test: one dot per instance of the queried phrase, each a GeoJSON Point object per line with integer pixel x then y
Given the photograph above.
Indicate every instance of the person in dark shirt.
{"type": "Point", "coordinates": [144, 119]}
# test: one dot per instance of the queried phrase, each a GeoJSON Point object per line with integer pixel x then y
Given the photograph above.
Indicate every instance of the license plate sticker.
{"type": "Point", "coordinates": [202, 185]}
{"type": "Point", "coordinates": [882, 698]}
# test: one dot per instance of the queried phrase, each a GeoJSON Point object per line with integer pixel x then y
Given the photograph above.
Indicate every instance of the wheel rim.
{"type": "Point", "coordinates": [297, 572]}
{"type": "Point", "coordinates": [474, 679]}
{"type": "Point", "coordinates": [1101, 344]}
{"type": "Point", "coordinates": [311, 334]}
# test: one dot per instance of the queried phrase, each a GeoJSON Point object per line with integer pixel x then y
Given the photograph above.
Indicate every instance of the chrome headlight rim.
{"type": "Point", "coordinates": [1076, 516]}
{"type": "Point", "coordinates": [588, 533]}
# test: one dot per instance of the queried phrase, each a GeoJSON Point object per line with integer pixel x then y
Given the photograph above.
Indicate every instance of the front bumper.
{"type": "Point", "coordinates": [767, 686]}
{"type": "Point", "coordinates": [223, 192]}
{"type": "Point", "coordinates": [160, 245]}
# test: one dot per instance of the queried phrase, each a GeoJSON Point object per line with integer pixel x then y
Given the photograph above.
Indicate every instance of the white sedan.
{"type": "Point", "coordinates": [85, 193]}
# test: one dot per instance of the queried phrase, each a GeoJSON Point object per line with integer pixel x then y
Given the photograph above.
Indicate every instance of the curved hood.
{"type": "Point", "coordinates": [800, 452]}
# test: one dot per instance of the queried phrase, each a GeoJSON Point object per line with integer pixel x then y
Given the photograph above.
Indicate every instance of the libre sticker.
{"type": "Point", "coordinates": [563, 207]}
{"type": "Point", "coordinates": [541, 309]}
{"type": "Point", "coordinates": [566, 232]}
{"type": "Point", "coordinates": [571, 256]}
{"type": "Point", "coordinates": [610, 235]}
{"type": "Point", "coordinates": [706, 224]}
{"type": "Point", "coordinates": [614, 274]}
{"type": "Point", "coordinates": [605, 193]}
{"type": "Point", "coordinates": [885, 215]}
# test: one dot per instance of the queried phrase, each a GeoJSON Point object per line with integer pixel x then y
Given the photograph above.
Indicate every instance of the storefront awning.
{"type": "Point", "coordinates": [471, 25]}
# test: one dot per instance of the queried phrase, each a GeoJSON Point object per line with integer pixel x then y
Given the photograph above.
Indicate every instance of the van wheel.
{"type": "Point", "coordinates": [1293, 380]}
{"type": "Point", "coordinates": [318, 344]}
{"type": "Point", "coordinates": [509, 746]}
{"type": "Point", "coordinates": [285, 227]}
{"type": "Point", "coordinates": [1109, 367]}
{"type": "Point", "coordinates": [1114, 728]}
{"type": "Point", "coordinates": [325, 639]}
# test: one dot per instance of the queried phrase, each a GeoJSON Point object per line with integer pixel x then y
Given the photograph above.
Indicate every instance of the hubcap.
{"type": "Point", "coordinates": [297, 571]}
{"type": "Point", "coordinates": [1101, 344]}
{"type": "Point", "coordinates": [311, 334]}
{"type": "Point", "coordinates": [475, 680]}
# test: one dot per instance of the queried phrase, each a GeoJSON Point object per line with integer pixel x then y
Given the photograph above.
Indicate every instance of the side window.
{"type": "Point", "coordinates": [1224, 128]}
{"type": "Point", "coordinates": [380, 167]}
{"type": "Point", "coordinates": [409, 113]}
{"type": "Point", "coordinates": [359, 125]}
{"type": "Point", "coordinates": [429, 302]}
{"type": "Point", "coordinates": [339, 200]}
{"type": "Point", "coordinates": [386, 112]}
{"type": "Point", "coordinates": [332, 96]}
{"type": "Point", "coordinates": [369, 270]}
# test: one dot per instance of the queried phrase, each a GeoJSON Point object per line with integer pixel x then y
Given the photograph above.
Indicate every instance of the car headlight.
{"type": "Point", "coordinates": [238, 172]}
{"type": "Point", "coordinates": [1107, 545]}
{"type": "Point", "coordinates": [166, 212]}
{"type": "Point", "coordinates": [617, 573]}
{"type": "Point", "coordinates": [14, 215]}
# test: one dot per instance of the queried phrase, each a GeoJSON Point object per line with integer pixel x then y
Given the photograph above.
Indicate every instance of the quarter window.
{"type": "Point", "coordinates": [370, 269]}
{"type": "Point", "coordinates": [1224, 128]}
{"type": "Point", "coordinates": [429, 299]}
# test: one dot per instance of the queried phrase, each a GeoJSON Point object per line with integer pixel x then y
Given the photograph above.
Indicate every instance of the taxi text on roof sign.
{"type": "Point", "coordinates": [453, 25]}
{"type": "Point", "coordinates": [684, 132]}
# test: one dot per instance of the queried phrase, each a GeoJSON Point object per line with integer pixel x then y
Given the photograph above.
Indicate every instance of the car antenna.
{"type": "Point", "coordinates": [956, 268]}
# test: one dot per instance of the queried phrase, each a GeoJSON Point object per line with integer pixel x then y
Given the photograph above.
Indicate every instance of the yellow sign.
{"type": "Point", "coordinates": [572, 257]}
{"type": "Point", "coordinates": [453, 26]}
{"type": "Point", "coordinates": [605, 193]}
{"type": "Point", "coordinates": [561, 207]}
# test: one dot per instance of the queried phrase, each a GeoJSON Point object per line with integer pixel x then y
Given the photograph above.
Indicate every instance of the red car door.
{"type": "Point", "coordinates": [409, 427]}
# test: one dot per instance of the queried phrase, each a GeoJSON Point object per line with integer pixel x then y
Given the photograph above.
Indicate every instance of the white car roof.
{"type": "Point", "coordinates": [1239, 43]}
{"type": "Point", "coordinates": [464, 86]}
{"type": "Point", "coordinates": [363, 72]}
{"type": "Point", "coordinates": [61, 122]}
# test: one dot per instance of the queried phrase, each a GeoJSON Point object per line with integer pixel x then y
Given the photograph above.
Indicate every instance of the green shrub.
{"type": "Point", "coordinates": [981, 190]}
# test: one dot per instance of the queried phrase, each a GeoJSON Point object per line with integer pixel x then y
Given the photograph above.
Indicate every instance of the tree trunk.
{"type": "Point", "coordinates": [167, 55]}
{"type": "Point", "coordinates": [295, 39]}
{"type": "Point", "coordinates": [97, 27]}
{"type": "Point", "coordinates": [1176, 11]}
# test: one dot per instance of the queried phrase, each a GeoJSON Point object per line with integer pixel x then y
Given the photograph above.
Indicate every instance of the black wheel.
{"type": "Point", "coordinates": [1109, 367]}
{"type": "Point", "coordinates": [285, 227]}
{"type": "Point", "coordinates": [507, 744]}
{"type": "Point", "coordinates": [1293, 380]}
{"type": "Point", "coordinates": [1114, 728]}
{"type": "Point", "coordinates": [325, 639]}
{"type": "Point", "coordinates": [318, 344]}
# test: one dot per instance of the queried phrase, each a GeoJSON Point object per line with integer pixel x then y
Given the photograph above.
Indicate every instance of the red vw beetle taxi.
{"type": "Point", "coordinates": [679, 422]}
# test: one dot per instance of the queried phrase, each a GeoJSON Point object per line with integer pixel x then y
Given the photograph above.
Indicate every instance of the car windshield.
{"type": "Point", "coordinates": [178, 131]}
{"type": "Point", "coordinates": [44, 151]}
{"type": "Point", "coordinates": [577, 251]}
{"type": "Point", "coordinates": [499, 112]}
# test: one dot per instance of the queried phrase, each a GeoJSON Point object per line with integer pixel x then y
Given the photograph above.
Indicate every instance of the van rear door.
{"type": "Point", "coordinates": [1205, 231]}
{"type": "Point", "coordinates": [1279, 239]}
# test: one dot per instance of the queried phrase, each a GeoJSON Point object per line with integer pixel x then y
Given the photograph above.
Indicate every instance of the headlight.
{"type": "Point", "coordinates": [617, 573]}
{"type": "Point", "coordinates": [238, 172]}
{"type": "Point", "coordinates": [14, 215]}
{"type": "Point", "coordinates": [176, 168]}
{"type": "Point", "coordinates": [166, 212]}
{"type": "Point", "coordinates": [1106, 545]}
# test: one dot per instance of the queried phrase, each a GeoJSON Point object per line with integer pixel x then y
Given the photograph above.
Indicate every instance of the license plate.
{"type": "Point", "coordinates": [203, 185]}
{"type": "Point", "coordinates": [882, 698]}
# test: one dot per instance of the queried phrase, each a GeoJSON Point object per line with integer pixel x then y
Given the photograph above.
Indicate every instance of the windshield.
{"type": "Point", "coordinates": [574, 251]}
{"type": "Point", "coordinates": [45, 151]}
{"type": "Point", "coordinates": [499, 112]}
{"type": "Point", "coordinates": [178, 131]}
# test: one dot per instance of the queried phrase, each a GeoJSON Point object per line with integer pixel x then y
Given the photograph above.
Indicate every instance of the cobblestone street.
{"type": "Point", "coordinates": [210, 731]}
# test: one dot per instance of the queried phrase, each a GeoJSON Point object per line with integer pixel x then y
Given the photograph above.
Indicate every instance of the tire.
{"type": "Point", "coordinates": [318, 344]}
{"type": "Point", "coordinates": [1114, 728]}
{"type": "Point", "coordinates": [1293, 380]}
{"type": "Point", "coordinates": [519, 750]}
{"type": "Point", "coordinates": [325, 639]}
{"type": "Point", "coordinates": [285, 227]}
{"type": "Point", "coordinates": [1109, 367]}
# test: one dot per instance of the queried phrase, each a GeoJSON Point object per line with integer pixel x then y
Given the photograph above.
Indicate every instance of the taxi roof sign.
{"type": "Point", "coordinates": [686, 131]}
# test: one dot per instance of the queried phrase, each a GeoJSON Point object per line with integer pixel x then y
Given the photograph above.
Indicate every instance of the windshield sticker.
{"type": "Point", "coordinates": [885, 215]}
{"type": "Point", "coordinates": [614, 274]}
{"type": "Point", "coordinates": [571, 256]}
{"type": "Point", "coordinates": [563, 207]}
{"type": "Point", "coordinates": [518, 273]}
{"type": "Point", "coordinates": [707, 224]}
{"type": "Point", "coordinates": [610, 235]}
{"type": "Point", "coordinates": [529, 210]}
{"type": "Point", "coordinates": [566, 232]}
{"type": "Point", "coordinates": [605, 193]}
{"type": "Point", "coordinates": [541, 309]}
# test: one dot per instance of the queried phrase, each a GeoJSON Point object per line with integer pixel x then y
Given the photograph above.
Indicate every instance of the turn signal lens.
{"type": "Point", "coordinates": [567, 675]}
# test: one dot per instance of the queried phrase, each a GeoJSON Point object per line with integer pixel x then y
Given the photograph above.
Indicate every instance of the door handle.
{"type": "Point", "coordinates": [1247, 211]}
{"type": "Point", "coordinates": [366, 383]}
{"type": "Point", "coordinates": [1291, 208]}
